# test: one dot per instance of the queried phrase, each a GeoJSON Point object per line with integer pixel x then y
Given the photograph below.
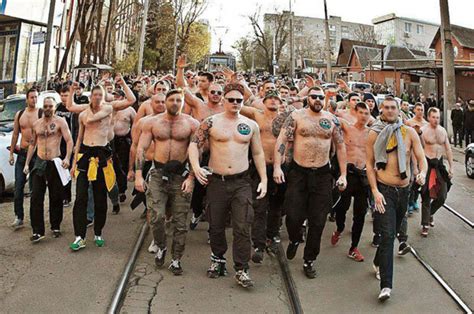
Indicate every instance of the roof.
{"type": "Point", "coordinates": [392, 16]}
{"type": "Point", "coordinates": [464, 35]}
{"type": "Point", "coordinates": [345, 49]}
{"type": "Point", "coordinates": [94, 66]}
{"type": "Point", "coordinates": [365, 54]}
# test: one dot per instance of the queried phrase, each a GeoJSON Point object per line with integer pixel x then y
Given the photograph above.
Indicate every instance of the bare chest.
{"type": "Point", "coordinates": [239, 133]}
{"type": "Point", "coordinates": [165, 130]}
{"type": "Point", "coordinates": [320, 127]}
{"type": "Point", "coordinates": [434, 137]}
{"type": "Point", "coordinates": [45, 130]}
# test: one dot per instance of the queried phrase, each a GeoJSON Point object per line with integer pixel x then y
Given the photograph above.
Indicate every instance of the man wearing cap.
{"type": "Point", "coordinates": [229, 136]}
{"type": "Point", "coordinates": [266, 224]}
{"type": "Point", "coordinates": [122, 121]}
{"type": "Point", "coordinates": [370, 101]}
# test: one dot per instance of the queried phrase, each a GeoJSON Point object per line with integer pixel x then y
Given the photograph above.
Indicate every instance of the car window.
{"type": "Point", "coordinates": [10, 108]}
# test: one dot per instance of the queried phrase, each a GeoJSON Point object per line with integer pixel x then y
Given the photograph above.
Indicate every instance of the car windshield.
{"type": "Point", "coordinates": [10, 108]}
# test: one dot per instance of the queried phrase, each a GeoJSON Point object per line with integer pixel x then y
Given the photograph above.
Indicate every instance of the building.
{"type": "Point", "coordinates": [405, 32]}
{"type": "Point", "coordinates": [463, 45]}
{"type": "Point", "coordinates": [310, 35]}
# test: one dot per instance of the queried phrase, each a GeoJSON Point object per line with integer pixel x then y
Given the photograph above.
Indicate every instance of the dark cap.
{"type": "Point", "coordinates": [81, 85]}
{"type": "Point", "coordinates": [368, 96]}
{"type": "Point", "coordinates": [119, 92]}
{"type": "Point", "coordinates": [272, 94]}
{"type": "Point", "coordinates": [230, 87]}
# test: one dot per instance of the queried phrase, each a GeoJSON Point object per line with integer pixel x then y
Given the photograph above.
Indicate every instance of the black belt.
{"type": "Point", "coordinates": [324, 169]}
{"type": "Point", "coordinates": [231, 176]}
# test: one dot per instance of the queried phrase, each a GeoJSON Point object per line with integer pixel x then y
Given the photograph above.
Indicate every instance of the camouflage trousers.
{"type": "Point", "coordinates": [167, 197]}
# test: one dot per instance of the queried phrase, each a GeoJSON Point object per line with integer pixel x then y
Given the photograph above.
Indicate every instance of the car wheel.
{"type": "Point", "coordinates": [470, 166]}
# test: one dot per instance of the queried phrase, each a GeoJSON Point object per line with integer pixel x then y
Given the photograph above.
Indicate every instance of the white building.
{"type": "Point", "coordinates": [406, 32]}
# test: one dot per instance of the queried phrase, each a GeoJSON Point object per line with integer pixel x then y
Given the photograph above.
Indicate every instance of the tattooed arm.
{"type": "Point", "coordinates": [145, 140]}
{"type": "Point", "coordinates": [199, 139]}
{"type": "Point", "coordinates": [286, 135]}
{"type": "Point", "coordinates": [341, 153]}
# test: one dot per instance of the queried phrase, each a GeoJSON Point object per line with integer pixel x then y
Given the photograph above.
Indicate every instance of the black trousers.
{"type": "Point", "coordinates": [121, 156]}
{"type": "Point", "coordinates": [79, 213]}
{"type": "Point", "coordinates": [199, 192]}
{"type": "Point", "coordinates": [232, 195]}
{"type": "Point", "coordinates": [308, 196]}
{"type": "Point", "coordinates": [469, 136]}
{"type": "Point", "coordinates": [268, 210]}
{"type": "Point", "coordinates": [457, 135]}
{"type": "Point", "coordinates": [49, 179]}
{"type": "Point", "coordinates": [357, 189]}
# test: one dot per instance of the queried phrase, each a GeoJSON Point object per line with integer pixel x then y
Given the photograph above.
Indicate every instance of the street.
{"type": "Point", "coordinates": [48, 277]}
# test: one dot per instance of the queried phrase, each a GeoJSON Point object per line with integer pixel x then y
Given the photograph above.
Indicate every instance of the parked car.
{"type": "Point", "coordinates": [360, 86]}
{"type": "Point", "coordinates": [469, 161]}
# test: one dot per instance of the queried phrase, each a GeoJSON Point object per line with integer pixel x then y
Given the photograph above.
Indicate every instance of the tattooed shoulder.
{"type": "Point", "coordinates": [290, 126]}
{"type": "Point", "coordinates": [201, 136]}
{"type": "Point", "coordinates": [337, 132]}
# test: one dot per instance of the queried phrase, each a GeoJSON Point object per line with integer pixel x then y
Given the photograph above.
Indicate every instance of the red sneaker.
{"type": "Point", "coordinates": [355, 255]}
{"type": "Point", "coordinates": [335, 237]}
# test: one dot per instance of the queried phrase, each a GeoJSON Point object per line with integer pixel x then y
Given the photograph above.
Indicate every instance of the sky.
{"type": "Point", "coordinates": [230, 16]}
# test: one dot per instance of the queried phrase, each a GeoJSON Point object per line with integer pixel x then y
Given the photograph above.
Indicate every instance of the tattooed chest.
{"type": "Point", "coordinates": [47, 130]}
{"type": "Point", "coordinates": [315, 128]}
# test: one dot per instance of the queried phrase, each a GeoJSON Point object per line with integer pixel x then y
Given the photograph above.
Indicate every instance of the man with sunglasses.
{"type": "Point", "coordinates": [170, 183]}
{"type": "Point", "coordinates": [390, 146]}
{"type": "Point", "coordinates": [309, 183]}
{"type": "Point", "coordinates": [267, 219]}
{"type": "Point", "coordinates": [229, 136]}
{"type": "Point", "coordinates": [48, 169]}
{"type": "Point", "coordinates": [350, 114]}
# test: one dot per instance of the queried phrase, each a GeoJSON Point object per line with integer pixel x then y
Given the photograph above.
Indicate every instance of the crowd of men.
{"type": "Point", "coordinates": [239, 151]}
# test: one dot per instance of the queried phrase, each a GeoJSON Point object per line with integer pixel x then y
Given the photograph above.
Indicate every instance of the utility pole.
{"type": "Point", "coordinates": [142, 37]}
{"type": "Point", "coordinates": [47, 47]}
{"type": "Point", "coordinates": [328, 45]}
{"type": "Point", "coordinates": [292, 44]}
{"type": "Point", "coordinates": [274, 55]}
{"type": "Point", "coordinates": [175, 48]}
{"type": "Point", "coordinates": [449, 80]}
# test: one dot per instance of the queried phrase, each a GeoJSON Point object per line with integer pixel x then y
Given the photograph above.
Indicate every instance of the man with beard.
{"type": "Point", "coordinates": [229, 137]}
{"type": "Point", "coordinates": [200, 110]}
{"type": "Point", "coordinates": [266, 224]}
{"type": "Point", "coordinates": [23, 123]}
{"type": "Point", "coordinates": [47, 133]}
{"type": "Point", "coordinates": [435, 190]}
{"type": "Point", "coordinates": [389, 149]}
{"type": "Point", "coordinates": [170, 183]}
{"type": "Point", "coordinates": [312, 132]}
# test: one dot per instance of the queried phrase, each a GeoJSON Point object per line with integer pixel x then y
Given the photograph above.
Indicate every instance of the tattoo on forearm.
{"type": "Point", "coordinates": [281, 149]}
{"type": "Point", "coordinates": [277, 123]}
{"type": "Point", "coordinates": [337, 133]}
{"type": "Point", "coordinates": [289, 127]}
{"type": "Point", "coordinates": [289, 153]}
{"type": "Point", "coordinates": [139, 162]}
{"type": "Point", "coordinates": [201, 136]}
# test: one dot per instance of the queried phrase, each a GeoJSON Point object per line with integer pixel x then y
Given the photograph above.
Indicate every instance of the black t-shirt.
{"type": "Point", "coordinates": [61, 111]}
{"type": "Point", "coordinates": [81, 100]}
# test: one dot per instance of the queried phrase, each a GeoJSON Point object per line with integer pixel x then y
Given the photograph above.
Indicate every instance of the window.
{"type": "Point", "coordinates": [332, 27]}
{"type": "Point", "coordinates": [7, 53]}
{"type": "Point", "coordinates": [408, 27]}
{"type": "Point", "coordinates": [419, 29]}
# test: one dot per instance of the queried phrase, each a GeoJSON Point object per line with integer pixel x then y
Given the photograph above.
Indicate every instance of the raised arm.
{"type": "Point", "coordinates": [286, 135]}
{"type": "Point", "coordinates": [70, 105]}
{"type": "Point", "coordinates": [16, 132]}
{"type": "Point", "coordinates": [249, 112]}
{"type": "Point", "coordinates": [129, 96]}
{"type": "Point", "coordinates": [259, 160]}
{"type": "Point", "coordinates": [189, 97]}
{"type": "Point", "coordinates": [104, 111]}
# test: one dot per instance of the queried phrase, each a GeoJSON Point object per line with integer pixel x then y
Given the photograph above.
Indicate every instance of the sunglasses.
{"type": "Point", "coordinates": [235, 100]}
{"type": "Point", "coordinates": [320, 97]}
{"type": "Point", "coordinates": [216, 92]}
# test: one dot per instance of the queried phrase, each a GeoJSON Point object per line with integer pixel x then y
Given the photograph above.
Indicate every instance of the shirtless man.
{"type": "Point", "coordinates": [312, 132]}
{"type": "Point", "coordinates": [389, 149]}
{"type": "Point", "coordinates": [145, 109]}
{"type": "Point", "coordinates": [47, 134]}
{"type": "Point", "coordinates": [266, 224]}
{"type": "Point", "coordinates": [436, 145]}
{"type": "Point", "coordinates": [121, 143]}
{"type": "Point", "coordinates": [93, 159]}
{"type": "Point", "coordinates": [170, 184]}
{"type": "Point", "coordinates": [158, 106]}
{"type": "Point", "coordinates": [355, 139]}
{"type": "Point", "coordinates": [257, 101]}
{"type": "Point", "coordinates": [350, 114]}
{"type": "Point", "coordinates": [23, 124]}
{"type": "Point", "coordinates": [417, 122]}
{"type": "Point", "coordinates": [200, 110]}
{"type": "Point", "coordinates": [229, 136]}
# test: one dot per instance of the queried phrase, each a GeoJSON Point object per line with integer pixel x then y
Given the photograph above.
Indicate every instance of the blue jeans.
{"type": "Point", "coordinates": [113, 195]}
{"type": "Point", "coordinates": [389, 223]}
{"type": "Point", "coordinates": [20, 181]}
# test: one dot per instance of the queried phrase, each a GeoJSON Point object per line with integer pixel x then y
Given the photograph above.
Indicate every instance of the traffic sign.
{"type": "Point", "coordinates": [39, 38]}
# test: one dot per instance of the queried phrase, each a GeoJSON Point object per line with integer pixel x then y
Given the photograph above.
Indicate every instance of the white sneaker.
{"type": "Point", "coordinates": [377, 271]}
{"type": "Point", "coordinates": [384, 294]}
{"type": "Point", "coordinates": [17, 224]}
{"type": "Point", "coordinates": [153, 248]}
